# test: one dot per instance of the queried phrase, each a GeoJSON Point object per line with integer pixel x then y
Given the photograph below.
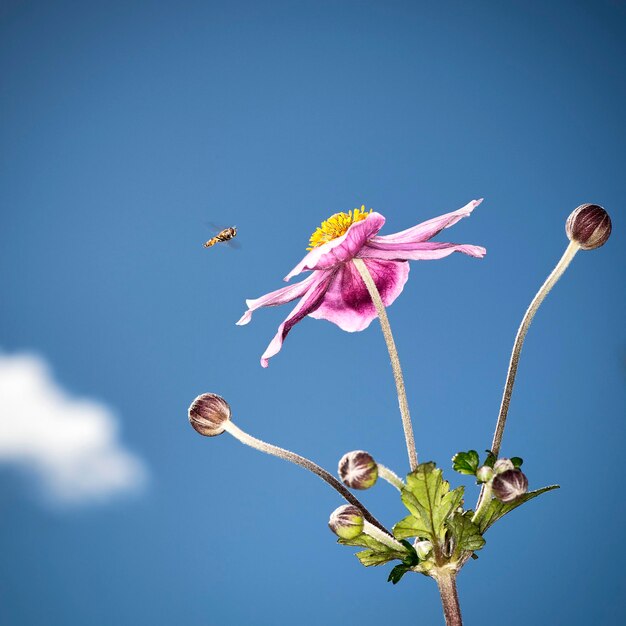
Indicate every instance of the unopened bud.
{"type": "Point", "coordinates": [208, 413]}
{"type": "Point", "coordinates": [346, 521]}
{"type": "Point", "coordinates": [589, 226]}
{"type": "Point", "coordinates": [503, 465]}
{"type": "Point", "coordinates": [510, 485]}
{"type": "Point", "coordinates": [358, 470]}
{"type": "Point", "coordinates": [484, 474]}
{"type": "Point", "coordinates": [423, 549]}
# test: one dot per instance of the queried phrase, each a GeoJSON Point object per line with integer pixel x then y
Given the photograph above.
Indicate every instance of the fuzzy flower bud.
{"type": "Point", "coordinates": [510, 485]}
{"type": "Point", "coordinates": [346, 521]}
{"type": "Point", "coordinates": [589, 226]}
{"type": "Point", "coordinates": [484, 474]}
{"type": "Point", "coordinates": [358, 470]}
{"type": "Point", "coordinates": [503, 465]}
{"type": "Point", "coordinates": [208, 413]}
{"type": "Point", "coordinates": [423, 549]}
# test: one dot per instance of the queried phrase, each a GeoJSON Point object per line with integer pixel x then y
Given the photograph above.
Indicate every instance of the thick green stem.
{"type": "Point", "coordinates": [446, 581]}
{"type": "Point", "coordinates": [485, 498]}
{"type": "Point", "coordinates": [395, 361]}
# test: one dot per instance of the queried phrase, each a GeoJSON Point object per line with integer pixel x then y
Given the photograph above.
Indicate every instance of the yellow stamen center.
{"type": "Point", "coordinates": [335, 226]}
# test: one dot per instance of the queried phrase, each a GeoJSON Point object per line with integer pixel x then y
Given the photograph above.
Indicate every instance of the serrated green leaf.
{"type": "Point", "coordinates": [465, 534]}
{"type": "Point", "coordinates": [410, 526]}
{"type": "Point", "coordinates": [449, 503]}
{"type": "Point", "coordinates": [370, 558]}
{"type": "Point", "coordinates": [465, 462]}
{"type": "Point", "coordinates": [377, 554]}
{"type": "Point", "coordinates": [397, 573]}
{"type": "Point", "coordinates": [496, 509]}
{"type": "Point", "coordinates": [429, 499]}
{"type": "Point", "coordinates": [517, 461]}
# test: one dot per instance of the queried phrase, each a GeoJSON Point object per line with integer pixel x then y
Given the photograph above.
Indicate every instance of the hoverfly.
{"type": "Point", "coordinates": [224, 235]}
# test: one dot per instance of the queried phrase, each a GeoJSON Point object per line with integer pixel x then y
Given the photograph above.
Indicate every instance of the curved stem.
{"type": "Point", "coordinates": [286, 455]}
{"type": "Point", "coordinates": [449, 599]}
{"type": "Point", "coordinates": [556, 273]}
{"type": "Point", "coordinates": [568, 255]}
{"type": "Point", "coordinates": [395, 361]}
{"type": "Point", "coordinates": [390, 476]}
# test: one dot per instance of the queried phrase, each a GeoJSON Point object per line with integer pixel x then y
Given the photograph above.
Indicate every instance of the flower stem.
{"type": "Point", "coordinates": [556, 273]}
{"type": "Point", "coordinates": [395, 361]}
{"type": "Point", "coordinates": [286, 455]}
{"type": "Point", "coordinates": [485, 498]}
{"type": "Point", "coordinates": [449, 598]}
{"type": "Point", "coordinates": [565, 260]}
{"type": "Point", "coordinates": [390, 476]}
{"type": "Point", "coordinates": [377, 534]}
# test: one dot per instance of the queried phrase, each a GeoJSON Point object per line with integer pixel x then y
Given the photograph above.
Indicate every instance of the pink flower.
{"type": "Point", "coordinates": [335, 291]}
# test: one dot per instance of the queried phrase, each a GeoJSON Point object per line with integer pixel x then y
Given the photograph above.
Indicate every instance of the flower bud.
{"type": "Point", "coordinates": [208, 413]}
{"type": "Point", "coordinates": [423, 549]}
{"type": "Point", "coordinates": [510, 485]}
{"type": "Point", "coordinates": [589, 226]}
{"type": "Point", "coordinates": [484, 474]}
{"type": "Point", "coordinates": [503, 465]}
{"type": "Point", "coordinates": [358, 470]}
{"type": "Point", "coordinates": [346, 521]}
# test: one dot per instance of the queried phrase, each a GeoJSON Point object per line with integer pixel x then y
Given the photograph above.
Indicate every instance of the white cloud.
{"type": "Point", "coordinates": [69, 444]}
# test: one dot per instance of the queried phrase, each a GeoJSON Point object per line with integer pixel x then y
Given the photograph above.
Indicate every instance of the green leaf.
{"type": "Point", "coordinates": [465, 534]}
{"type": "Point", "coordinates": [429, 499]}
{"type": "Point", "coordinates": [369, 558]}
{"type": "Point", "coordinates": [411, 526]}
{"type": "Point", "coordinates": [517, 461]}
{"type": "Point", "coordinates": [496, 509]}
{"type": "Point", "coordinates": [377, 553]}
{"type": "Point", "coordinates": [397, 573]}
{"type": "Point", "coordinates": [465, 462]}
{"type": "Point", "coordinates": [491, 459]}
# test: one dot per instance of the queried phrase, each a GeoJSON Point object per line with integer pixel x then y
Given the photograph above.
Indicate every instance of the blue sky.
{"type": "Point", "coordinates": [125, 127]}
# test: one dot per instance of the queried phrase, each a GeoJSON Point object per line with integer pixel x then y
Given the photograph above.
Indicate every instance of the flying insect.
{"type": "Point", "coordinates": [224, 235]}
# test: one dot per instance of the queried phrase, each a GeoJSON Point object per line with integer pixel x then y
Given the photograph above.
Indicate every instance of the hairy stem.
{"type": "Point", "coordinates": [446, 581]}
{"type": "Point", "coordinates": [395, 361]}
{"type": "Point", "coordinates": [390, 476]}
{"type": "Point", "coordinates": [556, 273]}
{"type": "Point", "coordinates": [568, 255]}
{"type": "Point", "coordinates": [483, 502]}
{"type": "Point", "coordinates": [377, 534]}
{"type": "Point", "coordinates": [286, 455]}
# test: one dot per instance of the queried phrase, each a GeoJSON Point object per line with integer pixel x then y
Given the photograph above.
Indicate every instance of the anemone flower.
{"type": "Point", "coordinates": [335, 290]}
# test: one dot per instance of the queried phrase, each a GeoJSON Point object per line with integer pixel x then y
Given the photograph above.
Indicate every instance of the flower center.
{"type": "Point", "coordinates": [335, 226]}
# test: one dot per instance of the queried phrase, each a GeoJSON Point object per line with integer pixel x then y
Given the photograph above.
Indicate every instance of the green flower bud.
{"type": "Point", "coordinates": [484, 474]}
{"type": "Point", "coordinates": [358, 470]}
{"type": "Point", "coordinates": [346, 522]}
{"type": "Point", "coordinates": [589, 226]}
{"type": "Point", "coordinates": [503, 465]}
{"type": "Point", "coordinates": [208, 413]}
{"type": "Point", "coordinates": [510, 485]}
{"type": "Point", "coordinates": [423, 549]}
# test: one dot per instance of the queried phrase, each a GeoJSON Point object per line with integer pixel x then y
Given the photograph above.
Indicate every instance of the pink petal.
{"type": "Point", "coordinates": [310, 301]}
{"type": "Point", "coordinates": [341, 249]}
{"type": "Point", "coordinates": [425, 251]}
{"type": "Point", "coordinates": [275, 298]}
{"type": "Point", "coordinates": [427, 230]}
{"type": "Point", "coordinates": [347, 302]}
